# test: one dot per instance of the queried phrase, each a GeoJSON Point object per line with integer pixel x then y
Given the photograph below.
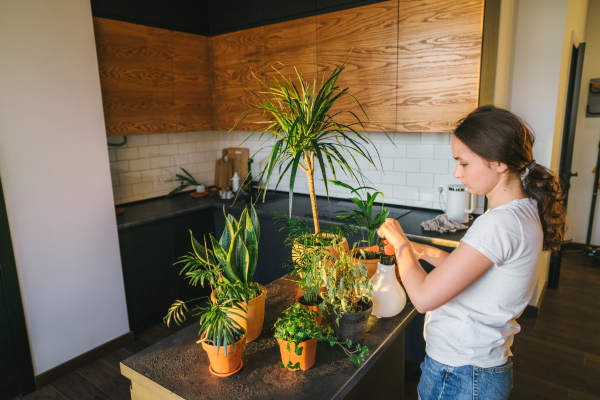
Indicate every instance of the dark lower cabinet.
{"type": "Point", "coordinates": [10, 381]}
{"type": "Point", "coordinates": [148, 252]}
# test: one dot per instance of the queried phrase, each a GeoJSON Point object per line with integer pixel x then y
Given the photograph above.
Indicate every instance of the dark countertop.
{"type": "Point", "coordinates": [410, 218]}
{"type": "Point", "coordinates": [180, 365]}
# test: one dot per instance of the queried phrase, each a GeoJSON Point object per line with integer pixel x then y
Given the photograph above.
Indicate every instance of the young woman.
{"type": "Point", "coordinates": [474, 295]}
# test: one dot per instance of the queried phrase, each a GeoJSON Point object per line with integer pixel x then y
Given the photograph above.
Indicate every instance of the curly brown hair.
{"type": "Point", "coordinates": [496, 134]}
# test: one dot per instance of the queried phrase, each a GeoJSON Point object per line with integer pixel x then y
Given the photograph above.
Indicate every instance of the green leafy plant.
{"type": "Point", "coordinates": [363, 217]}
{"type": "Point", "coordinates": [186, 180]}
{"type": "Point", "coordinates": [228, 268]}
{"type": "Point", "coordinates": [298, 325]}
{"type": "Point", "coordinates": [347, 285]}
{"type": "Point", "coordinates": [217, 327]}
{"type": "Point", "coordinates": [305, 132]}
{"type": "Point", "coordinates": [309, 252]}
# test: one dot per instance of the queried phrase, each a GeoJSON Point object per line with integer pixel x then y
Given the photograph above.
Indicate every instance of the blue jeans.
{"type": "Point", "coordinates": [443, 382]}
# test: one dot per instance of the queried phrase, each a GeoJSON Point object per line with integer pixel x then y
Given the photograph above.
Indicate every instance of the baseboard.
{"type": "Point", "coordinates": [74, 364]}
{"type": "Point", "coordinates": [534, 311]}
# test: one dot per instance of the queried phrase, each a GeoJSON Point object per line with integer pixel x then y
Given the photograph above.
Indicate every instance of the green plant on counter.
{"type": "Point", "coordinates": [216, 326]}
{"type": "Point", "coordinates": [228, 268]}
{"type": "Point", "coordinates": [304, 130]}
{"type": "Point", "coordinates": [309, 252]}
{"type": "Point", "coordinates": [347, 285]}
{"type": "Point", "coordinates": [298, 325]}
{"type": "Point", "coordinates": [363, 217]}
{"type": "Point", "coordinates": [185, 182]}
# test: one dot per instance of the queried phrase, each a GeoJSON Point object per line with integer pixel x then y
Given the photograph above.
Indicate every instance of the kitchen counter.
{"type": "Point", "coordinates": [177, 367]}
{"type": "Point", "coordinates": [410, 218]}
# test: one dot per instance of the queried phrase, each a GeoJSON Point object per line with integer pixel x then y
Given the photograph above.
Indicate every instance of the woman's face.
{"type": "Point", "coordinates": [473, 171]}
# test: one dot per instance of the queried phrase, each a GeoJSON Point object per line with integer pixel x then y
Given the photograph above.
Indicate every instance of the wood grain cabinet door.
{"type": "Point", "coordinates": [439, 56]}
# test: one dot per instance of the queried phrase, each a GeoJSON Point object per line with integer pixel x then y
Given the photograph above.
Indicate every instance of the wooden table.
{"type": "Point", "coordinates": [177, 367]}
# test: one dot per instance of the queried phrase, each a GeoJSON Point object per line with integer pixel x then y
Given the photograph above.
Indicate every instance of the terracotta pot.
{"type": "Point", "coordinates": [255, 317]}
{"type": "Point", "coordinates": [312, 307]}
{"type": "Point", "coordinates": [370, 264]}
{"type": "Point", "coordinates": [221, 364]}
{"type": "Point", "coordinates": [330, 250]}
{"type": "Point", "coordinates": [309, 353]}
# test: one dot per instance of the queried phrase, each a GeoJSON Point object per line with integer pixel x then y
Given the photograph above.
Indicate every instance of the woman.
{"type": "Point", "coordinates": [474, 295]}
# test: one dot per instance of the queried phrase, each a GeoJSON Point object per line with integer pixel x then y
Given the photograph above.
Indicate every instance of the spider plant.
{"type": "Point", "coordinates": [305, 132]}
{"type": "Point", "coordinates": [363, 217]}
{"type": "Point", "coordinates": [185, 182]}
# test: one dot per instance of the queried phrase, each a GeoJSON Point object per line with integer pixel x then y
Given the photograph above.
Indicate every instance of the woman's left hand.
{"type": "Point", "coordinates": [392, 231]}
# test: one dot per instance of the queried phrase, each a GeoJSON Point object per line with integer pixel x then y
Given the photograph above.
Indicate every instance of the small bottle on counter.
{"type": "Point", "coordinates": [235, 183]}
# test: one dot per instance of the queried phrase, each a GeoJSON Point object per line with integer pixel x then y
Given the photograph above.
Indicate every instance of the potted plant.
{"type": "Point", "coordinates": [347, 295]}
{"type": "Point", "coordinates": [186, 180]}
{"type": "Point", "coordinates": [297, 333]}
{"type": "Point", "coordinates": [229, 269]}
{"type": "Point", "coordinates": [366, 222]}
{"type": "Point", "coordinates": [222, 337]}
{"type": "Point", "coordinates": [305, 133]}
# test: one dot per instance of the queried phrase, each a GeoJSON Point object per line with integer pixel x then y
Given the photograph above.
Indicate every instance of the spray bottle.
{"type": "Point", "coordinates": [388, 296]}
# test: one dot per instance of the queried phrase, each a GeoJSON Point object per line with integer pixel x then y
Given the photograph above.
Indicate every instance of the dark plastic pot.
{"type": "Point", "coordinates": [352, 325]}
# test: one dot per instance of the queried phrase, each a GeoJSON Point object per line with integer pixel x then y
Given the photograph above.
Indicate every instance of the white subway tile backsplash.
{"type": "Point", "coordinates": [168, 149]}
{"type": "Point", "coordinates": [373, 176]}
{"type": "Point", "coordinates": [179, 159]}
{"type": "Point", "coordinates": [115, 180]}
{"type": "Point", "coordinates": [397, 151]}
{"type": "Point", "coordinates": [122, 191]}
{"type": "Point", "coordinates": [160, 162]}
{"type": "Point", "coordinates": [444, 180]}
{"type": "Point", "coordinates": [394, 178]}
{"type": "Point", "coordinates": [443, 152]}
{"type": "Point", "coordinates": [406, 165]}
{"type": "Point", "coordinates": [387, 164]}
{"type": "Point", "coordinates": [435, 138]}
{"type": "Point", "coordinates": [185, 148]}
{"type": "Point", "coordinates": [150, 175]}
{"type": "Point", "coordinates": [406, 192]}
{"type": "Point", "coordinates": [118, 167]}
{"type": "Point", "coordinates": [149, 151]}
{"type": "Point", "coordinates": [451, 167]}
{"type": "Point", "coordinates": [158, 139]}
{"type": "Point", "coordinates": [420, 180]}
{"type": "Point", "coordinates": [128, 153]}
{"type": "Point", "coordinates": [428, 194]}
{"type": "Point", "coordinates": [434, 166]}
{"type": "Point", "coordinates": [179, 137]}
{"type": "Point", "coordinates": [197, 157]}
{"type": "Point", "coordinates": [420, 150]}
{"type": "Point", "coordinates": [141, 188]}
{"type": "Point", "coordinates": [137, 140]}
{"type": "Point", "coordinates": [130, 177]}
{"type": "Point", "coordinates": [408, 137]}
{"type": "Point", "coordinates": [112, 155]}
{"type": "Point", "coordinates": [139, 164]}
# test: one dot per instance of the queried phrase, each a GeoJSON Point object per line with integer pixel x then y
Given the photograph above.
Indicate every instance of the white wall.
{"type": "Point", "coordinates": [55, 173]}
{"type": "Point", "coordinates": [533, 66]}
{"type": "Point", "coordinates": [587, 136]}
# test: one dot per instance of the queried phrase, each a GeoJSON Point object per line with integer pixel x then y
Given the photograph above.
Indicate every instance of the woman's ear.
{"type": "Point", "coordinates": [499, 167]}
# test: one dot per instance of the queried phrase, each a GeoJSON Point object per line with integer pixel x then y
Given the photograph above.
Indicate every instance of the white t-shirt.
{"type": "Point", "coordinates": [477, 327]}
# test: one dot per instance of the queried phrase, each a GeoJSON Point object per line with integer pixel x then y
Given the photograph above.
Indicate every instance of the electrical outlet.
{"type": "Point", "coordinates": [163, 179]}
{"type": "Point", "coordinates": [440, 189]}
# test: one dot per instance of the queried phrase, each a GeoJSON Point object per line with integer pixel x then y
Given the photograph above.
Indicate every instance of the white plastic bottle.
{"type": "Point", "coordinates": [388, 296]}
{"type": "Point", "coordinates": [235, 183]}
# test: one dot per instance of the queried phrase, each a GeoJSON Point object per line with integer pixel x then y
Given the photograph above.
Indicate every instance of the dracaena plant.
{"type": "Point", "coordinates": [298, 325]}
{"type": "Point", "coordinates": [347, 285]}
{"type": "Point", "coordinates": [363, 217]}
{"type": "Point", "coordinates": [228, 268]}
{"type": "Point", "coordinates": [186, 180]}
{"type": "Point", "coordinates": [305, 133]}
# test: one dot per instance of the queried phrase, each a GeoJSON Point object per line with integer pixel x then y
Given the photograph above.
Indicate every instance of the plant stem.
{"type": "Point", "coordinates": [313, 200]}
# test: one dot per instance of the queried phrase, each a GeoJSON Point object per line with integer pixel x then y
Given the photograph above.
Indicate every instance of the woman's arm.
{"type": "Point", "coordinates": [432, 255]}
{"type": "Point", "coordinates": [427, 292]}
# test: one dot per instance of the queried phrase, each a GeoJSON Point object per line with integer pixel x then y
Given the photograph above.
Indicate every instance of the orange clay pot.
{"type": "Point", "coordinates": [306, 360]}
{"type": "Point", "coordinates": [330, 250]}
{"type": "Point", "coordinates": [255, 317]}
{"type": "Point", "coordinates": [221, 364]}
{"type": "Point", "coordinates": [370, 264]}
{"type": "Point", "coordinates": [312, 308]}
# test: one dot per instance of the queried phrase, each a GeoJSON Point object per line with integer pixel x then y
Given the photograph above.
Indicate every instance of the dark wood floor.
{"type": "Point", "coordinates": [556, 356]}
